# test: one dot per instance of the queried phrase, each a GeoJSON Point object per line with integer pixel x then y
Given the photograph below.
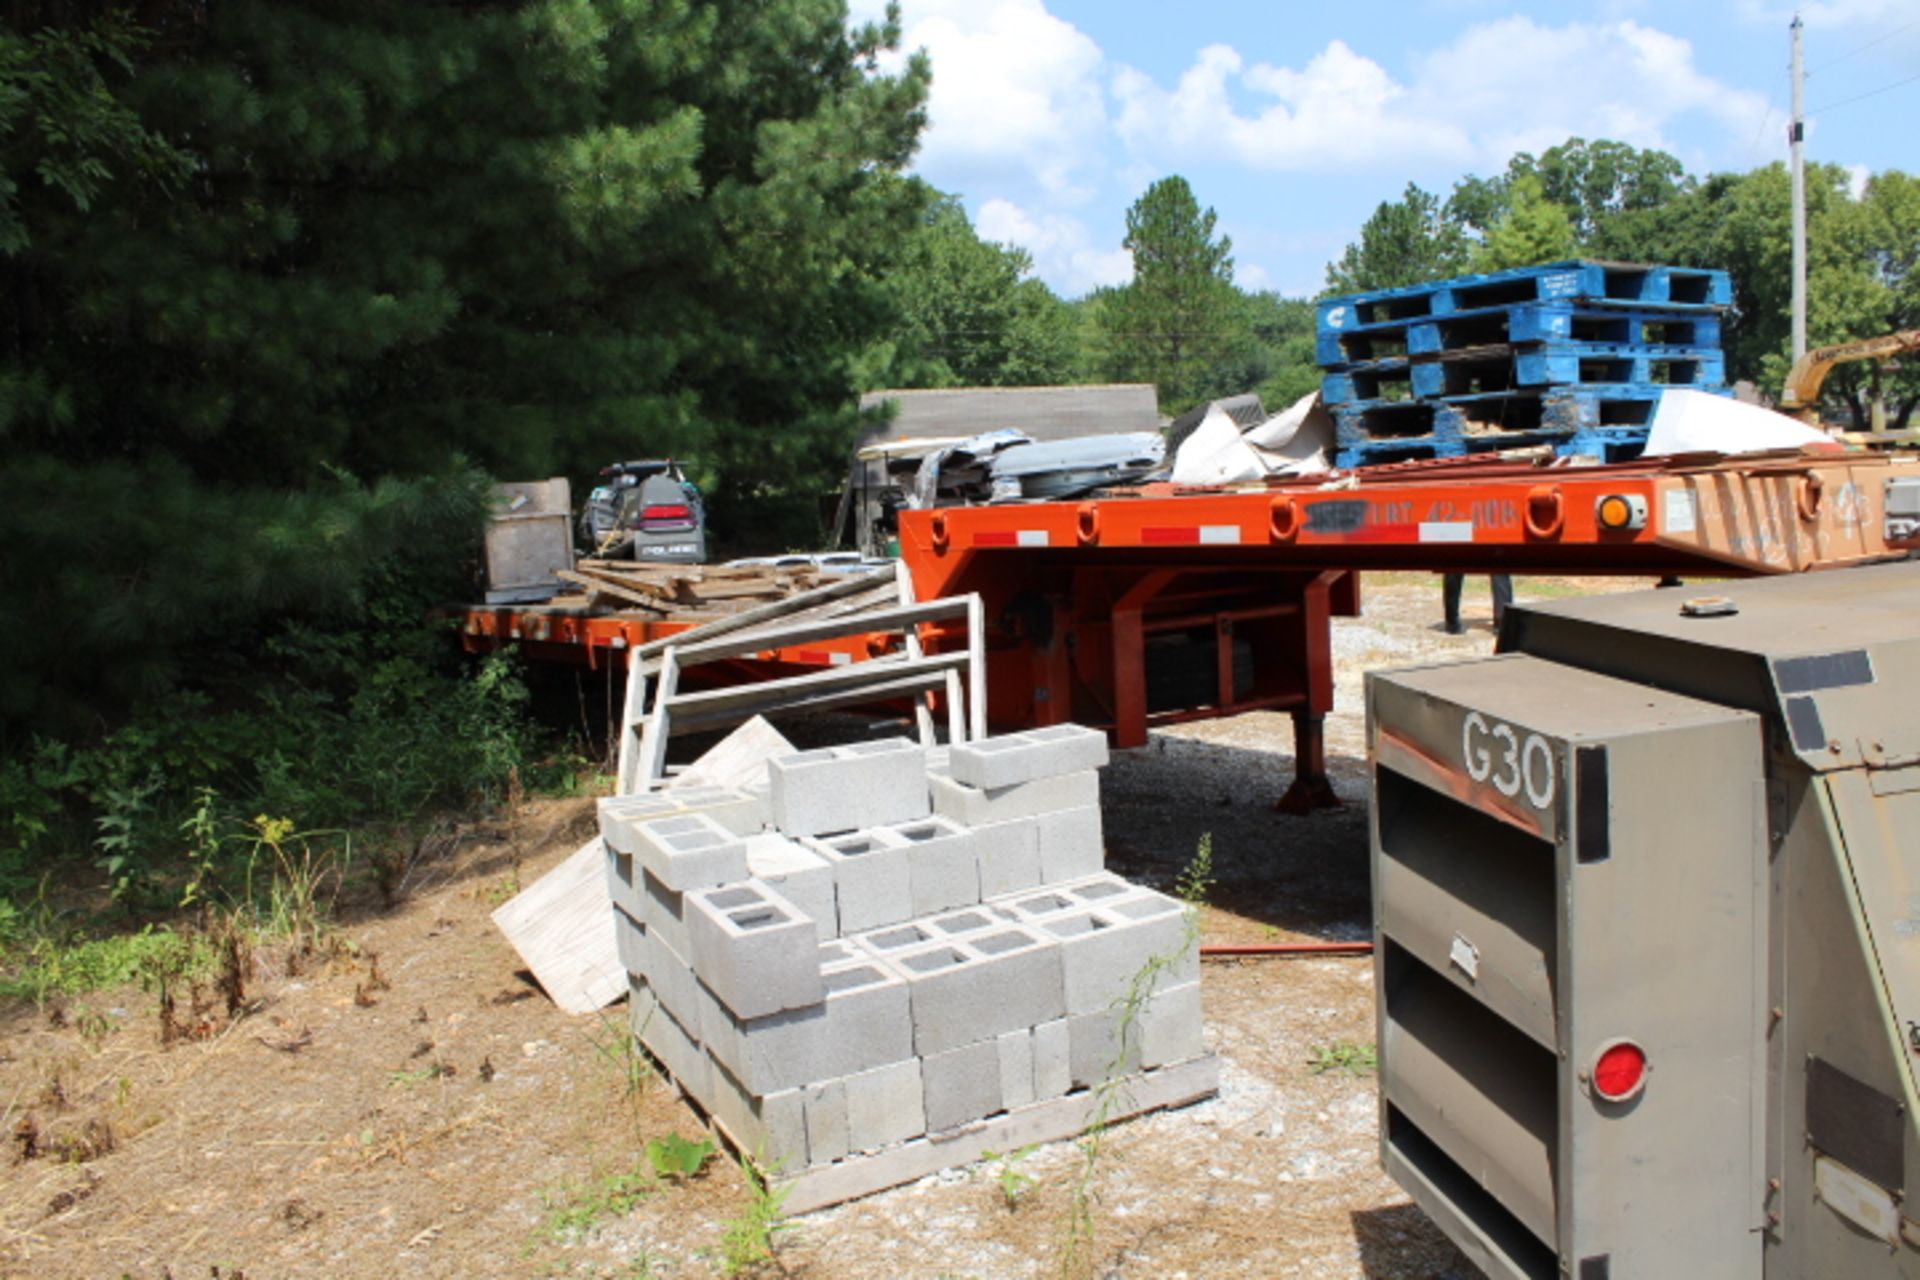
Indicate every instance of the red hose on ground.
{"type": "Point", "coordinates": [1287, 949]}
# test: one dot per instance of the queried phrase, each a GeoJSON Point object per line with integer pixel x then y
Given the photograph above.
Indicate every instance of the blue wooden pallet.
{"type": "Point", "coordinates": [1608, 444]}
{"type": "Point", "coordinates": [1558, 411]}
{"type": "Point", "coordinates": [1502, 368]}
{"type": "Point", "coordinates": [1536, 322]}
{"type": "Point", "coordinates": [1576, 279]}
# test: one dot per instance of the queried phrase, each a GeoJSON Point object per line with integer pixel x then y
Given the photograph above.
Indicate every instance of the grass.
{"type": "Point", "coordinates": [50, 965]}
{"type": "Point", "coordinates": [1344, 1056]}
{"type": "Point", "coordinates": [574, 1211]}
{"type": "Point", "coordinates": [1014, 1181]}
{"type": "Point", "coordinates": [748, 1240]}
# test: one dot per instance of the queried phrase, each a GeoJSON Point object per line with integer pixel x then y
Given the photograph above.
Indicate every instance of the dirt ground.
{"type": "Point", "coordinates": [415, 1107]}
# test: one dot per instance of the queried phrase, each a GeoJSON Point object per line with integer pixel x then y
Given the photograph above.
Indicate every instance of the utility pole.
{"type": "Point", "coordinates": [1796, 140]}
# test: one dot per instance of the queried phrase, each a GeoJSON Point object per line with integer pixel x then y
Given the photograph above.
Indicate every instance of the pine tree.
{"type": "Point", "coordinates": [1406, 241]}
{"type": "Point", "coordinates": [1534, 230]}
{"type": "Point", "coordinates": [283, 268]}
{"type": "Point", "coordinates": [1180, 317]}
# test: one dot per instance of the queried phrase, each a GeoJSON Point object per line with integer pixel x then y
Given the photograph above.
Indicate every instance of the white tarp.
{"type": "Point", "coordinates": [1294, 442]}
{"type": "Point", "coordinates": [1699, 422]}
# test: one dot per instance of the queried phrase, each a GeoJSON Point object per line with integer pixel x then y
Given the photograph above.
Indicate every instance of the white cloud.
{"type": "Point", "coordinates": [1501, 86]}
{"type": "Point", "coordinates": [1858, 175]}
{"type": "Point", "coordinates": [1064, 252]}
{"type": "Point", "coordinates": [1017, 92]}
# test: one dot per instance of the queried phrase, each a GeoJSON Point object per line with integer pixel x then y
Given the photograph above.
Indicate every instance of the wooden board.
{"type": "Point", "coordinates": [736, 760]}
{"type": "Point", "coordinates": [1050, 1121]}
{"type": "Point", "coordinates": [562, 926]}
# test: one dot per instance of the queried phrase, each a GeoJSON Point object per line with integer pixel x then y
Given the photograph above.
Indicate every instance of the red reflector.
{"type": "Point", "coordinates": [1620, 1071]}
{"type": "Point", "coordinates": [666, 513]}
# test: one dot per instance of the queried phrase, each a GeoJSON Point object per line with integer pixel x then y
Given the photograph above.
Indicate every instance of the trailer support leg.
{"type": "Point", "coordinates": [1311, 788]}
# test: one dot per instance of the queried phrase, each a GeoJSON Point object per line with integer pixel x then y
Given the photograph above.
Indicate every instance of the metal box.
{"type": "Point", "coordinates": [529, 537]}
{"type": "Point", "coordinates": [1562, 863]}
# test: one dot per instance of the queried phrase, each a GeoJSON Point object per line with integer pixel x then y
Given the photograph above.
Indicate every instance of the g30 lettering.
{"type": "Point", "coordinates": [1494, 752]}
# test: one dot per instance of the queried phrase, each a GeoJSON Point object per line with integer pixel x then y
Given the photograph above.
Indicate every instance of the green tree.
{"type": "Point", "coordinates": [1180, 316]}
{"type": "Point", "coordinates": [275, 274]}
{"type": "Point", "coordinates": [1406, 241]}
{"type": "Point", "coordinates": [971, 313]}
{"type": "Point", "coordinates": [1533, 230]}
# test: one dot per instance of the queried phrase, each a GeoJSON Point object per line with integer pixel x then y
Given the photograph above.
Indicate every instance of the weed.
{"type": "Point", "coordinates": [749, 1239]}
{"type": "Point", "coordinates": [573, 1211]}
{"type": "Point", "coordinates": [679, 1158]}
{"type": "Point", "coordinates": [1110, 1096]}
{"type": "Point", "coordinates": [1344, 1055]}
{"type": "Point", "coordinates": [408, 1079]}
{"type": "Point", "coordinates": [1014, 1181]}
{"type": "Point", "coordinates": [619, 1048]}
{"type": "Point", "coordinates": [500, 890]}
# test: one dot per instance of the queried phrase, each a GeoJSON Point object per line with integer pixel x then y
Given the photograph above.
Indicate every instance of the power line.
{"type": "Point", "coordinates": [1882, 38]}
{"type": "Point", "coordinates": [1873, 93]}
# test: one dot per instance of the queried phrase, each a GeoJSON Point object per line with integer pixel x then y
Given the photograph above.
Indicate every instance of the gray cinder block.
{"type": "Point", "coordinates": [753, 949]}
{"type": "Point", "coordinates": [673, 982]}
{"type": "Point", "coordinates": [1006, 761]}
{"type": "Point", "coordinates": [739, 810]}
{"type": "Point", "coordinates": [942, 868]}
{"type": "Point", "coordinates": [1172, 1027]}
{"type": "Point", "coordinates": [690, 851]}
{"type": "Point", "coordinates": [1104, 949]}
{"type": "Point", "coordinates": [1072, 843]}
{"type": "Point", "coordinates": [961, 1085]}
{"type": "Point", "coordinates": [958, 924]}
{"type": "Point", "coordinates": [629, 941]}
{"type": "Point", "coordinates": [1016, 1068]}
{"type": "Point", "coordinates": [970, 989]}
{"type": "Point", "coordinates": [825, 1108]}
{"type": "Point", "coordinates": [1093, 1048]}
{"type": "Point", "coordinates": [865, 1018]}
{"type": "Point", "coordinates": [772, 1128]}
{"type": "Point", "coordinates": [1009, 856]}
{"type": "Point", "coordinates": [623, 880]}
{"type": "Point", "coordinates": [975, 807]}
{"type": "Point", "coordinates": [833, 789]}
{"type": "Point", "coordinates": [619, 815]}
{"type": "Point", "coordinates": [1052, 1061]}
{"type": "Point", "coordinates": [680, 1053]}
{"type": "Point", "coordinates": [663, 912]}
{"type": "Point", "coordinates": [799, 875]}
{"type": "Point", "coordinates": [872, 880]}
{"type": "Point", "coordinates": [1167, 1028]}
{"type": "Point", "coordinates": [885, 1105]}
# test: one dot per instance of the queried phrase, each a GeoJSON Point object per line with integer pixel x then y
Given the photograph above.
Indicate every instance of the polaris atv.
{"type": "Point", "coordinates": [645, 510]}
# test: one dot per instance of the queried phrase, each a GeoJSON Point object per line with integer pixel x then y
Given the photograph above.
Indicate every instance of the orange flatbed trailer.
{"type": "Point", "coordinates": [1162, 604]}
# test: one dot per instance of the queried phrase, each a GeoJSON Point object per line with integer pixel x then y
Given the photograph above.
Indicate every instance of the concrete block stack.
{"type": "Point", "coordinates": [889, 942]}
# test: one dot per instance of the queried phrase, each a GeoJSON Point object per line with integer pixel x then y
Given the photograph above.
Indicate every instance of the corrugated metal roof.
{"type": "Point", "coordinates": [1045, 413]}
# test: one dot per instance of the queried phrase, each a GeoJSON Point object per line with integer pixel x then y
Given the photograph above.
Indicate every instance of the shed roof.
{"type": "Point", "coordinates": [1045, 413]}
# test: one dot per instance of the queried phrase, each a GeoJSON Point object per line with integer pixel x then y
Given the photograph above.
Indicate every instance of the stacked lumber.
{"type": "Point", "coordinates": [666, 590]}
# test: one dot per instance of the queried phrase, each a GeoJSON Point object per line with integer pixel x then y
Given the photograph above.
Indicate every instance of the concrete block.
{"type": "Point", "coordinates": [825, 1108]}
{"type": "Point", "coordinates": [872, 880]}
{"type": "Point", "coordinates": [771, 1128]}
{"type": "Point", "coordinates": [958, 924]}
{"type": "Point", "coordinates": [1099, 889]}
{"type": "Point", "coordinates": [1093, 1048]}
{"type": "Point", "coordinates": [1052, 1061]}
{"type": "Point", "coordinates": [976, 807]}
{"type": "Point", "coordinates": [1016, 1068]}
{"type": "Point", "coordinates": [663, 912]}
{"type": "Point", "coordinates": [690, 851]}
{"type": "Point", "coordinates": [1035, 905]}
{"type": "Point", "coordinates": [961, 1085]}
{"type": "Point", "coordinates": [679, 1052]}
{"type": "Point", "coordinates": [940, 760]}
{"type": "Point", "coordinates": [888, 942]}
{"type": "Point", "coordinates": [971, 989]}
{"type": "Point", "coordinates": [620, 815]}
{"type": "Point", "coordinates": [840, 950]}
{"type": "Point", "coordinates": [942, 869]}
{"type": "Point", "coordinates": [865, 1018]}
{"type": "Point", "coordinates": [673, 982]}
{"type": "Point", "coordinates": [834, 789]}
{"type": "Point", "coordinates": [735, 808]}
{"type": "Point", "coordinates": [885, 1105]}
{"type": "Point", "coordinates": [623, 880]}
{"type": "Point", "coordinates": [1072, 843]}
{"type": "Point", "coordinates": [1013, 758]}
{"type": "Point", "coordinates": [1172, 1027]}
{"type": "Point", "coordinates": [1009, 856]}
{"type": "Point", "coordinates": [641, 1004]}
{"type": "Point", "coordinates": [753, 949]}
{"type": "Point", "coordinates": [629, 942]}
{"type": "Point", "coordinates": [1103, 950]}
{"type": "Point", "coordinates": [799, 875]}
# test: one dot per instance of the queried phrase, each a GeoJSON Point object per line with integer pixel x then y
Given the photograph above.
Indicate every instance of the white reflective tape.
{"type": "Point", "coordinates": [1032, 538]}
{"type": "Point", "coordinates": [1446, 531]}
{"type": "Point", "coordinates": [1220, 533]}
{"type": "Point", "coordinates": [839, 659]}
{"type": "Point", "coordinates": [1679, 514]}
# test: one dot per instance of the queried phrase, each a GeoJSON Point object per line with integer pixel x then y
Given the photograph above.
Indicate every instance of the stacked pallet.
{"type": "Point", "coordinates": [665, 590]}
{"type": "Point", "coordinates": [1572, 355]}
{"type": "Point", "coordinates": [890, 960]}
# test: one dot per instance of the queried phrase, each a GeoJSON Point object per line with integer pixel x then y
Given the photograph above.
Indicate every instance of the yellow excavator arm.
{"type": "Point", "coordinates": [1802, 392]}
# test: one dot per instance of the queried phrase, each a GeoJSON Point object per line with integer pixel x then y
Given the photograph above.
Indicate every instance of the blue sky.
{"type": "Point", "coordinates": [1294, 120]}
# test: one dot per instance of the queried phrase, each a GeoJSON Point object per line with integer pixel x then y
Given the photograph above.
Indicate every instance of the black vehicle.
{"type": "Point", "coordinates": [645, 510]}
